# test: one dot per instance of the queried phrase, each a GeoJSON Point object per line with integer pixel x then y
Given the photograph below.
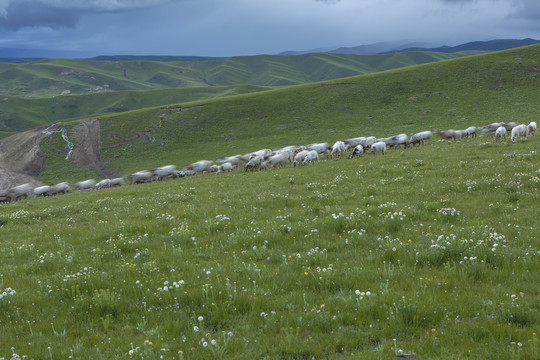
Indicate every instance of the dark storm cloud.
{"type": "Point", "coordinates": [56, 14]}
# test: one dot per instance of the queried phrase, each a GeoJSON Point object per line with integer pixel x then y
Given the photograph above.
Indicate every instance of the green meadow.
{"type": "Point", "coordinates": [431, 251]}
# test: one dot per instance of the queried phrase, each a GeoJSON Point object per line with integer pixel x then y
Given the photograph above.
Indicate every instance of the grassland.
{"type": "Point", "coordinates": [431, 251]}
{"type": "Point", "coordinates": [458, 93]}
{"type": "Point", "coordinates": [32, 90]}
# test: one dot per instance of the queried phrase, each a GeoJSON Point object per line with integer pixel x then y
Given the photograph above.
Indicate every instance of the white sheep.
{"type": "Point", "coordinates": [419, 138]}
{"type": "Point", "coordinates": [4, 197]}
{"type": "Point", "coordinates": [320, 148]}
{"type": "Point", "coordinates": [117, 182]}
{"type": "Point", "coordinates": [354, 142]}
{"type": "Point", "coordinates": [60, 188]}
{"type": "Point", "coordinates": [105, 183]}
{"type": "Point", "coordinates": [470, 131]}
{"type": "Point", "coordinates": [311, 156]}
{"type": "Point", "coordinates": [396, 140]}
{"type": "Point", "coordinates": [140, 177]}
{"type": "Point", "coordinates": [532, 127]}
{"type": "Point", "coordinates": [500, 133]}
{"type": "Point", "coordinates": [164, 172]}
{"type": "Point", "coordinates": [379, 146]}
{"type": "Point", "coordinates": [199, 166]}
{"type": "Point", "coordinates": [370, 141]}
{"type": "Point", "coordinates": [491, 128]}
{"type": "Point", "coordinates": [520, 130]}
{"type": "Point", "coordinates": [299, 157]}
{"type": "Point", "coordinates": [358, 151]}
{"type": "Point", "coordinates": [86, 184]}
{"type": "Point", "coordinates": [254, 163]}
{"type": "Point", "coordinates": [338, 149]}
{"type": "Point", "coordinates": [279, 159]}
{"type": "Point", "coordinates": [42, 190]}
{"type": "Point", "coordinates": [225, 167]}
{"type": "Point", "coordinates": [20, 192]}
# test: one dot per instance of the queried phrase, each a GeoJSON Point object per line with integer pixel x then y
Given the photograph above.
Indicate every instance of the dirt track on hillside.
{"type": "Point", "coordinates": [21, 159]}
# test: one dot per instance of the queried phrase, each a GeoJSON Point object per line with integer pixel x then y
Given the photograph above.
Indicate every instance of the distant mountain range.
{"type": "Point", "coordinates": [392, 47]}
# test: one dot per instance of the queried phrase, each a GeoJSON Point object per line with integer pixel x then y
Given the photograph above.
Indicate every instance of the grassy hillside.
{"type": "Point", "coordinates": [431, 252]}
{"type": "Point", "coordinates": [452, 94]}
{"type": "Point", "coordinates": [17, 114]}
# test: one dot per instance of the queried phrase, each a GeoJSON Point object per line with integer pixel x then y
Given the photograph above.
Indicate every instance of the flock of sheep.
{"type": "Point", "coordinates": [266, 158]}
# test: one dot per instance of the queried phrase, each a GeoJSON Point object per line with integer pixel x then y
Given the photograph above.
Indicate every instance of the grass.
{"type": "Point", "coordinates": [279, 264]}
{"type": "Point", "coordinates": [32, 90]}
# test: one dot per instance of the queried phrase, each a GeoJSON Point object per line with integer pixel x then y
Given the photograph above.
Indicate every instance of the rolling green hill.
{"type": "Point", "coordinates": [32, 90]}
{"type": "Point", "coordinates": [457, 93]}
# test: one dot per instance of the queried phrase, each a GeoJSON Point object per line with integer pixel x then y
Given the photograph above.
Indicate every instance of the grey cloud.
{"type": "Point", "coordinates": [56, 14]}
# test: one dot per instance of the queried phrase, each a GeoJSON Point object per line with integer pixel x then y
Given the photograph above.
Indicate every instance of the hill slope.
{"type": "Point", "coordinates": [456, 94]}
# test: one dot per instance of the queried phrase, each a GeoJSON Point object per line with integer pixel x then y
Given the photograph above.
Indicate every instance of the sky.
{"type": "Point", "coordinates": [223, 28]}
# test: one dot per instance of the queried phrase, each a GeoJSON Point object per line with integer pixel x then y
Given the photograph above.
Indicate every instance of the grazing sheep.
{"type": "Point", "coordinates": [396, 140]}
{"type": "Point", "coordinates": [117, 182]}
{"type": "Point", "coordinates": [320, 148]}
{"type": "Point", "coordinates": [225, 167]}
{"type": "Point", "coordinates": [253, 163]}
{"type": "Point", "coordinates": [419, 138]}
{"type": "Point", "coordinates": [140, 177]}
{"type": "Point", "coordinates": [357, 151]}
{"type": "Point", "coordinates": [491, 128]}
{"type": "Point", "coordinates": [500, 133]}
{"type": "Point", "coordinates": [338, 149]}
{"type": "Point", "coordinates": [20, 192]}
{"type": "Point", "coordinates": [299, 157]}
{"type": "Point", "coordinates": [470, 131]}
{"type": "Point", "coordinates": [42, 190]}
{"type": "Point", "coordinates": [370, 141]}
{"type": "Point", "coordinates": [311, 156]}
{"type": "Point", "coordinates": [520, 130]}
{"type": "Point", "coordinates": [86, 184]}
{"type": "Point", "coordinates": [4, 196]}
{"type": "Point", "coordinates": [105, 183]}
{"type": "Point", "coordinates": [164, 172]}
{"type": "Point", "coordinates": [459, 134]}
{"type": "Point", "coordinates": [509, 126]}
{"type": "Point", "coordinates": [236, 161]}
{"type": "Point", "coordinates": [379, 146]}
{"type": "Point", "coordinates": [531, 127]}
{"type": "Point", "coordinates": [354, 142]}
{"type": "Point", "coordinates": [199, 166]}
{"type": "Point", "coordinates": [61, 188]}
{"type": "Point", "coordinates": [446, 134]}
{"type": "Point", "coordinates": [279, 159]}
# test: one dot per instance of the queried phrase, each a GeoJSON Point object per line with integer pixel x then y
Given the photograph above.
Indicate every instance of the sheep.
{"type": "Point", "coordinates": [396, 140]}
{"type": "Point", "coordinates": [213, 168]}
{"type": "Point", "coordinates": [140, 177]}
{"type": "Point", "coordinates": [520, 130]}
{"type": "Point", "coordinates": [509, 126]}
{"type": "Point", "coordinates": [320, 148]}
{"type": "Point", "coordinates": [225, 167]}
{"type": "Point", "coordinates": [253, 163]}
{"type": "Point", "coordinates": [105, 183]}
{"type": "Point", "coordinates": [379, 146]}
{"type": "Point", "coordinates": [199, 166]}
{"type": "Point", "coordinates": [86, 184]}
{"type": "Point", "coordinates": [279, 159]}
{"type": "Point", "coordinates": [117, 182]}
{"type": "Point", "coordinates": [60, 188]}
{"type": "Point", "coordinates": [354, 142]}
{"type": "Point", "coordinates": [20, 192]}
{"type": "Point", "coordinates": [358, 151]}
{"type": "Point", "coordinates": [311, 156]}
{"type": "Point", "coordinates": [296, 151]}
{"type": "Point", "coordinates": [419, 138]}
{"type": "Point", "coordinates": [338, 149]}
{"type": "Point", "coordinates": [42, 190]}
{"type": "Point", "coordinates": [4, 196]}
{"type": "Point", "coordinates": [491, 128]}
{"type": "Point", "coordinates": [236, 161]}
{"type": "Point", "coordinates": [470, 131]}
{"type": "Point", "coordinates": [164, 172]}
{"type": "Point", "coordinates": [531, 127]}
{"type": "Point", "coordinates": [500, 133]}
{"type": "Point", "coordinates": [370, 141]}
{"type": "Point", "coordinates": [299, 158]}
{"type": "Point", "coordinates": [446, 134]}
{"type": "Point", "coordinates": [289, 150]}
